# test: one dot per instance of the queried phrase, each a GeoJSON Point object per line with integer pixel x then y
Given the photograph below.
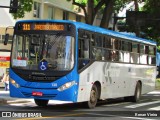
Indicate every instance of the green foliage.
{"type": "Point", "coordinates": [152, 29]}
{"type": "Point", "coordinates": [82, 2]}
{"type": "Point", "coordinates": [158, 48]}
{"type": "Point", "coordinates": [120, 4]}
{"type": "Point", "coordinates": [25, 6]}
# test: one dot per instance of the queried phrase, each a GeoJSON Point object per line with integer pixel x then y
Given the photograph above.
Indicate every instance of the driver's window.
{"type": "Point", "coordinates": [19, 47]}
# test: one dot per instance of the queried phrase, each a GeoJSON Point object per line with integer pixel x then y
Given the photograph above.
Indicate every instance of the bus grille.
{"type": "Point", "coordinates": [33, 78]}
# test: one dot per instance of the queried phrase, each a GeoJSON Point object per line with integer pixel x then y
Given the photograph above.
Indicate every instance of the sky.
{"type": "Point", "coordinates": [6, 17]}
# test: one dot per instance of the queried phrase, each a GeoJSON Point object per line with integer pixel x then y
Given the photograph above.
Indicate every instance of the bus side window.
{"type": "Point", "coordinates": [92, 45]}
{"type": "Point", "coordinates": [96, 53]}
{"type": "Point", "coordinates": [84, 50]}
{"type": "Point", "coordinates": [152, 55]}
{"type": "Point", "coordinates": [143, 55]}
{"type": "Point", "coordinates": [107, 54]}
{"type": "Point", "coordinates": [96, 42]}
{"type": "Point", "coordinates": [134, 54]}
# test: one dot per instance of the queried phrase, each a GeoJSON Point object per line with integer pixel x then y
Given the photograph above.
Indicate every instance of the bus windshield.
{"type": "Point", "coordinates": [43, 52]}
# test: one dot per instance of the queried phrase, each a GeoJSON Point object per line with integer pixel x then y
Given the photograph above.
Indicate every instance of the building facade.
{"type": "Point", "coordinates": [54, 9]}
{"type": "Point", "coordinates": [41, 9]}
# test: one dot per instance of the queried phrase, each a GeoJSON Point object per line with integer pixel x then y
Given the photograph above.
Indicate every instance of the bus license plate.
{"type": "Point", "coordinates": [37, 93]}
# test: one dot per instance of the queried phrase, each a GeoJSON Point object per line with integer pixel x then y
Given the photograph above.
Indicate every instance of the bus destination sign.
{"type": "Point", "coordinates": [41, 26]}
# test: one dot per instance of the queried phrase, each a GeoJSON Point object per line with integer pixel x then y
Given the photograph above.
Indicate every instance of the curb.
{"type": "Point", "coordinates": [17, 101]}
{"type": "Point", "coordinates": [12, 101]}
{"type": "Point", "coordinates": [3, 101]}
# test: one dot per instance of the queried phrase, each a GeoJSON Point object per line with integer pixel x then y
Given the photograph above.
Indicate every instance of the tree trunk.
{"type": "Point", "coordinates": [136, 5]}
{"type": "Point", "coordinates": [107, 13]}
{"type": "Point", "coordinates": [137, 27]}
{"type": "Point", "coordinates": [90, 10]}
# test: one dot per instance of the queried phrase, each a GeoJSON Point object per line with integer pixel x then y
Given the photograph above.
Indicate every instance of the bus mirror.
{"type": "Point", "coordinates": [6, 39]}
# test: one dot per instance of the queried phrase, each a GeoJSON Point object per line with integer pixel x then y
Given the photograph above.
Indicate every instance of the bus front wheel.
{"type": "Point", "coordinates": [93, 97]}
{"type": "Point", "coordinates": [41, 103]}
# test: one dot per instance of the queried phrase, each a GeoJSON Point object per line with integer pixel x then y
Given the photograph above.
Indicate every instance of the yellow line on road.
{"type": "Point", "coordinates": [58, 116]}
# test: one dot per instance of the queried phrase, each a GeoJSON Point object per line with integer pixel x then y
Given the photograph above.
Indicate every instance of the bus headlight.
{"type": "Point", "coordinates": [66, 86]}
{"type": "Point", "coordinates": [13, 82]}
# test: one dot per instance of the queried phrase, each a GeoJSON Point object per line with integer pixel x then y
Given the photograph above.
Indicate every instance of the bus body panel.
{"type": "Point", "coordinates": [116, 79]}
{"type": "Point", "coordinates": [49, 90]}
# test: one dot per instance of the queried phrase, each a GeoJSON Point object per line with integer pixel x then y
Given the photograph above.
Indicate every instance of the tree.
{"type": "Point", "coordinates": [106, 7]}
{"type": "Point", "coordinates": [152, 7]}
{"type": "Point", "coordinates": [24, 6]}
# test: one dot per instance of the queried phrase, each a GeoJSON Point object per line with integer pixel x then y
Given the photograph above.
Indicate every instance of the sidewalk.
{"type": "Point", "coordinates": [5, 98]}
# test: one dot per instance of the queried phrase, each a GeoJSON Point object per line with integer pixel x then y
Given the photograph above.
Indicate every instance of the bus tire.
{"type": "Point", "coordinates": [137, 93]}
{"type": "Point", "coordinates": [93, 97]}
{"type": "Point", "coordinates": [41, 103]}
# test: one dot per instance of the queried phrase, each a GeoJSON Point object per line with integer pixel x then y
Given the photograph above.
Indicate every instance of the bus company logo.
{"type": "Point", "coordinates": [107, 72]}
{"type": "Point", "coordinates": [110, 71]}
{"type": "Point", "coordinates": [38, 73]}
{"type": "Point", "coordinates": [21, 115]}
{"type": "Point", "coordinates": [6, 114]}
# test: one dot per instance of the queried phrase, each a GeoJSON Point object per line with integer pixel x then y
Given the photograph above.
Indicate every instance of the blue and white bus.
{"type": "Point", "coordinates": [76, 62]}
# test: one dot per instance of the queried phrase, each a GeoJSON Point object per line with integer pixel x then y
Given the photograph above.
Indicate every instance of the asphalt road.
{"type": "Point", "coordinates": [147, 109]}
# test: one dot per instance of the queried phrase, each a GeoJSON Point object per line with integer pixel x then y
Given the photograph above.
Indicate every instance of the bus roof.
{"type": "Point", "coordinates": [98, 30]}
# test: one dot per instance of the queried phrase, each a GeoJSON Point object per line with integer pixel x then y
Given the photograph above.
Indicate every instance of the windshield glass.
{"type": "Point", "coordinates": [43, 52]}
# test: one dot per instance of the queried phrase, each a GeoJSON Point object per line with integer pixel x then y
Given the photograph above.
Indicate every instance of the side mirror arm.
{"type": "Point", "coordinates": [7, 35]}
{"type": "Point", "coordinates": [6, 39]}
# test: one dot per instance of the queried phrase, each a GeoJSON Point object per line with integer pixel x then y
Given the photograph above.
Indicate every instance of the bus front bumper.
{"type": "Point", "coordinates": [47, 94]}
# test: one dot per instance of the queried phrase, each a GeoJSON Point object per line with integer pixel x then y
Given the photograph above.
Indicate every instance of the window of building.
{"type": "Point", "coordinates": [36, 12]}
{"type": "Point", "coordinates": [1, 40]}
{"type": "Point", "coordinates": [78, 18]}
{"type": "Point", "coordinates": [65, 15]}
{"type": "Point", "coordinates": [50, 13]}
